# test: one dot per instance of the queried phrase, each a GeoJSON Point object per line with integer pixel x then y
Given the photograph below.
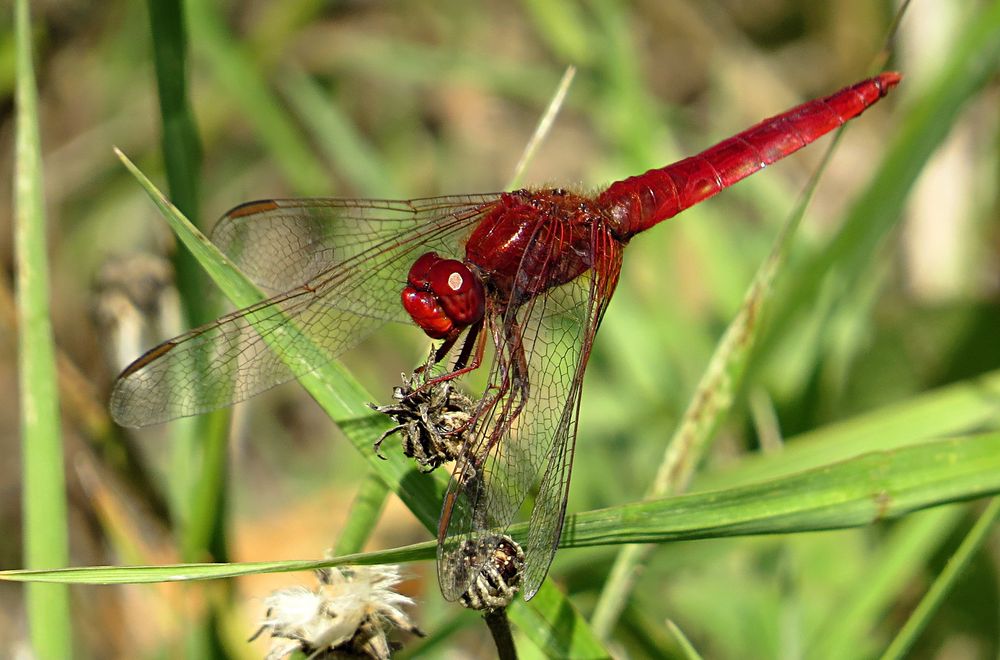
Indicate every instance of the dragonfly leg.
{"type": "Point", "coordinates": [518, 373]}
{"type": "Point", "coordinates": [474, 346]}
{"type": "Point", "coordinates": [474, 340]}
{"type": "Point", "coordinates": [514, 385]}
{"type": "Point", "coordinates": [378, 443]}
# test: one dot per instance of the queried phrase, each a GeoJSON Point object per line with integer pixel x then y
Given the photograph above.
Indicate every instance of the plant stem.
{"type": "Point", "coordinates": [499, 627]}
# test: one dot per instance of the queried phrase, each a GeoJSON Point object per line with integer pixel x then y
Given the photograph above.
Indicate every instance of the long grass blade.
{"type": "Point", "coordinates": [179, 140]}
{"type": "Point", "coordinates": [862, 491]}
{"type": "Point", "coordinates": [199, 497]}
{"type": "Point", "coordinates": [44, 490]}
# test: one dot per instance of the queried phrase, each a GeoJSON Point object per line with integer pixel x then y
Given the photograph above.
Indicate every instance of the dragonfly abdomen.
{"type": "Point", "coordinates": [639, 202]}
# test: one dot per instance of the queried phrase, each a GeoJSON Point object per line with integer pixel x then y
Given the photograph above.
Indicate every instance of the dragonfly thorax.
{"type": "Point", "coordinates": [532, 241]}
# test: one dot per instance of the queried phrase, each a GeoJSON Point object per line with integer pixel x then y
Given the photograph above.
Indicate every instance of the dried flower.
{"type": "Point", "coordinates": [346, 615]}
{"type": "Point", "coordinates": [432, 418]}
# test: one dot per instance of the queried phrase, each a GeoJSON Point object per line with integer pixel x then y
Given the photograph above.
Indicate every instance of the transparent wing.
{"type": "Point", "coordinates": [549, 512]}
{"type": "Point", "coordinates": [280, 244]}
{"type": "Point", "coordinates": [527, 434]}
{"type": "Point", "coordinates": [341, 265]}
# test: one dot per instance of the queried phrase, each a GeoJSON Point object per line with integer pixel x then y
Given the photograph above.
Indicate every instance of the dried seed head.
{"type": "Point", "coordinates": [349, 612]}
{"type": "Point", "coordinates": [432, 420]}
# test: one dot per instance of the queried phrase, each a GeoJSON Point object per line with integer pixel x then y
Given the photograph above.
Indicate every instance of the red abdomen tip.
{"type": "Point", "coordinates": [888, 80]}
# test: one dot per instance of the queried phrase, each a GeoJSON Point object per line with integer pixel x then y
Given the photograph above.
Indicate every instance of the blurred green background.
{"type": "Point", "coordinates": [410, 99]}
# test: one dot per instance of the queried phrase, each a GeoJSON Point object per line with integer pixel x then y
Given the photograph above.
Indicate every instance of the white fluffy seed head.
{"type": "Point", "coordinates": [347, 600]}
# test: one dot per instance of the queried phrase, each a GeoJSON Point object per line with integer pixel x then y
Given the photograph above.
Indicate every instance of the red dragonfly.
{"type": "Point", "coordinates": [531, 271]}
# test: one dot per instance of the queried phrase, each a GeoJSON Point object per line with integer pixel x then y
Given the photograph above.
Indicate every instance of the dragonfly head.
{"type": "Point", "coordinates": [443, 296]}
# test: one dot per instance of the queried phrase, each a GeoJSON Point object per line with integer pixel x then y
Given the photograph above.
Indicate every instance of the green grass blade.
{"type": "Point", "coordinates": [855, 493]}
{"type": "Point", "coordinates": [194, 572]}
{"type": "Point", "coordinates": [949, 410]}
{"type": "Point", "coordinates": [344, 400]}
{"type": "Point", "coordinates": [179, 140]}
{"type": "Point", "coordinates": [921, 616]}
{"type": "Point", "coordinates": [199, 498]}
{"type": "Point", "coordinates": [207, 503]}
{"type": "Point", "coordinates": [44, 489]}
{"type": "Point", "coordinates": [684, 645]}
{"type": "Point", "coordinates": [860, 491]}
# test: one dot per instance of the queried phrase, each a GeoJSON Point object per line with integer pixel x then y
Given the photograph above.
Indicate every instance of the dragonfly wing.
{"type": "Point", "coordinates": [291, 334]}
{"type": "Point", "coordinates": [527, 433]}
{"type": "Point", "coordinates": [549, 511]}
{"type": "Point", "coordinates": [281, 243]}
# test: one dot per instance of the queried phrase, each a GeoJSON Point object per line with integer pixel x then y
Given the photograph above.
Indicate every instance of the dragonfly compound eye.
{"type": "Point", "coordinates": [421, 267]}
{"type": "Point", "coordinates": [425, 311]}
{"type": "Point", "coordinates": [458, 290]}
{"type": "Point", "coordinates": [443, 296]}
